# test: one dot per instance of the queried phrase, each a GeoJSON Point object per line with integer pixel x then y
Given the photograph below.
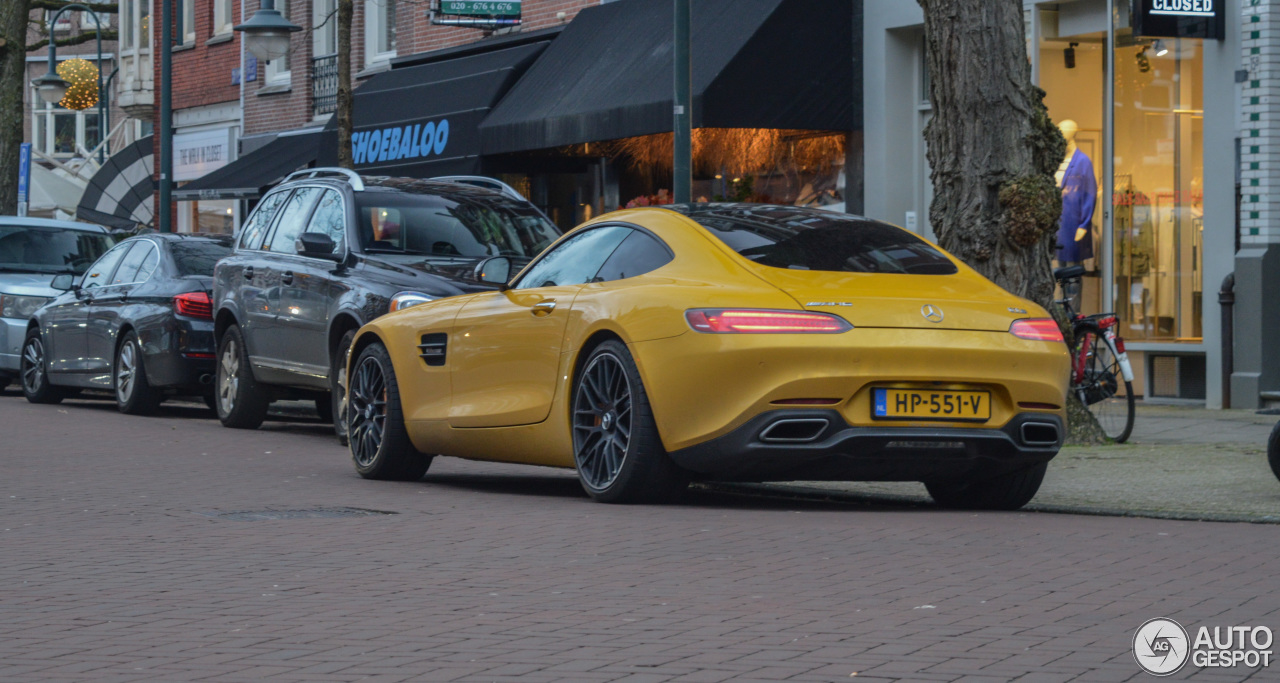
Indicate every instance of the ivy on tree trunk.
{"type": "Point", "coordinates": [992, 152]}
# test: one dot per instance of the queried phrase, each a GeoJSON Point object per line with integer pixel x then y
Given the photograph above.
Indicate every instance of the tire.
{"type": "Point", "coordinates": [242, 403]}
{"type": "Point", "coordinates": [616, 448]}
{"type": "Point", "coordinates": [134, 394]}
{"type": "Point", "coordinates": [1098, 391]}
{"type": "Point", "coordinates": [338, 387]}
{"type": "Point", "coordinates": [1273, 451]}
{"type": "Point", "coordinates": [1009, 491]}
{"type": "Point", "coordinates": [33, 370]}
{"type": "Point", "coordinates": [380, 445]}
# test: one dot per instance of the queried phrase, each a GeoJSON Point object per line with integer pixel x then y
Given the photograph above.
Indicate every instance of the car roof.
{"type": "Point", "coordinates": [28, 222]}
{"type": "Point", "coordinates": [187, 236]}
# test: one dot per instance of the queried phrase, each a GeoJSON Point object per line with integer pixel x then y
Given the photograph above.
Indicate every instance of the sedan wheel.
{"type": "Point", "coordinates": [380, 445]}
{"type": "Point", "coordinates": [616, 447]}
{"type": "Point", "coordinates": [35, 374]}
{"type": "Point", "coordinates": [134, 394]}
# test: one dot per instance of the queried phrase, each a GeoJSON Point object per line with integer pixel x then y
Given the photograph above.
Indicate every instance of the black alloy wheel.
{"type": "Point", "coordinates": [616, 447]}
{"type": "Point", "coordinates": [134, 394]}
{"type": "Point", "coordinates": [380, 445]}
{"type": "Point", "coordinates": [34, 371]}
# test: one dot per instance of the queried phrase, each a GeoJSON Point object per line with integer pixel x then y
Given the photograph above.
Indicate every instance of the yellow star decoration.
{"type": "Point", "coordinates": [82, 76]}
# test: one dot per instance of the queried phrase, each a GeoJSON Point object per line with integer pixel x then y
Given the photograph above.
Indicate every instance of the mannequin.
{"type": "Point", "coordinates": [1079, 195]}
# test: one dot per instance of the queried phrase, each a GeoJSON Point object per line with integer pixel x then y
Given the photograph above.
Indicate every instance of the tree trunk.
{"type": "Point", "coordinates": [346, 8]}
{"type": "Point", "coordinates": [13, 70]}
{"type": "Point", "coordinates": [993, 152]}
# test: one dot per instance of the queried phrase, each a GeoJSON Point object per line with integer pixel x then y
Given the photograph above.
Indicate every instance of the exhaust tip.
{"type": "Point", "coordinates": [1040, 434]}
{"type": "Point", "coordinates": [794, 430]}
{"type": "Point", "coordinates": [206, 378]}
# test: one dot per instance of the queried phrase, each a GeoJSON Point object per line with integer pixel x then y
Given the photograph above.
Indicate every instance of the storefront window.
{"type": "Point", "coordinates": [1159, 196]}
{"type": "Point", "coordinates": [1156, 253]}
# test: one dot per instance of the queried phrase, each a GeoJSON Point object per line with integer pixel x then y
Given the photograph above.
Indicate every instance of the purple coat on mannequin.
{"type": "Point", "coordinates": [1079, 194]}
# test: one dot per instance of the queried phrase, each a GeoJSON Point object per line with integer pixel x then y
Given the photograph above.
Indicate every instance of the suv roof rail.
{"type": "Point", "coordinates": [328, 172]}
{"type": "Point", "coordinates": [483, 181]}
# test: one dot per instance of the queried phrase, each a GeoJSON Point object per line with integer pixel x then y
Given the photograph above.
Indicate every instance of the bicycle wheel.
{"type": "Point", "coordinates": [1099, 390]}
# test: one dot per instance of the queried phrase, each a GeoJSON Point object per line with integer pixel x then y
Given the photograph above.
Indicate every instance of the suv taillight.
{"type": "Point", "coordinates": [194, 305]}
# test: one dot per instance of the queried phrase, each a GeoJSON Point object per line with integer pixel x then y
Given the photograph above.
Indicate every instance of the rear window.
{"type": "Point", "coordinates": [197, 257]}
{"type": "Point", "coordinates": [50, 250]}
{"type": "Point", "coordinates": [810, 239]}
{"type": "Point", "coordinates": [441, 227]}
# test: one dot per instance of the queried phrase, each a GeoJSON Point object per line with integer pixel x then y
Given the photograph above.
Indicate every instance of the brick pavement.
{"type": "Point", "coordinates": [113, 569]}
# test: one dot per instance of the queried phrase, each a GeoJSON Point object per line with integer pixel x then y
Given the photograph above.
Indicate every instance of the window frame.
{"type": "Point", "coordinates": [671, 254]}
{"type": "Point", "coordinates": [306, 219]}
{"type": "Point", "coordinates": [279, 71]}
{"type": "Point", "coordinates": [188, 22]}
{"type": "Point", "coordinates": [376, 24]}
{"type": "Point", "coordinates": [124, 248]}
{"type": "Point", "coordinates": [563, 243]}
{"type": "Point", "coordinates": [222, 17]}
{"type": "Point", "coordinates": [43, 118]}
{"type": "Point", "coordinates": [324, 42]}
{"type": "Point", "coordinates": [239, 239]}
{"type": "Point", "coordinates": [343, 247]}
{"type": "Point", "coordinates": [154, 250]}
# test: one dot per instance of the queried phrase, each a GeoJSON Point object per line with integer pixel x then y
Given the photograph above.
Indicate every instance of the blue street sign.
{"type": "Point", "coordinates": [24, 177]}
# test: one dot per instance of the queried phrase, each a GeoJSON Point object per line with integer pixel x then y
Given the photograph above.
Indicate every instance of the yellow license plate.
{"type": "Point", "coordinates": [923, 404]}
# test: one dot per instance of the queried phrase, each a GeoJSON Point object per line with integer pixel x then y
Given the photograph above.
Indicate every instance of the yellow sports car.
{"type": "Point", "coordinates": [741, 342]}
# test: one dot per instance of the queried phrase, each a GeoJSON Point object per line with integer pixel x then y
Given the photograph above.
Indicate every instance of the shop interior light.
{"type": "Point", "coordinates": [1069, 55]}
{"type": "Point", "coordinates": [1160, 48]}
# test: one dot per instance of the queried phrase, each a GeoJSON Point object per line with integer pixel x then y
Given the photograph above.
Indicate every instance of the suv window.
{"type": "Point", "coordinates": [576, 260]}
{"type": "Point", "coordinates": [811, 239]}
{"type": "Point", "coordinates": [50, 250]}
{"type": "Point", "coordinates": [100, 273]}
{"type": "Point", "coordinates": [293, 219]}
{"type": "Point", "coordinates": [330, 219]}
{"type": "Point", "coordinates": [198, 256]}
{"type": "Point", "coordinates": [638, 254]}
{"type": "Point", "coordinates": [255, 229]}
{"type": "Point", "coordinates": [432, 225]}
{"type": "Point", "coordinates": [138, 265]}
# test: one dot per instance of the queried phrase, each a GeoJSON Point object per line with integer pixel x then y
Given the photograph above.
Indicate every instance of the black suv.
{"type": "Point", "coordinates": [327, 251]}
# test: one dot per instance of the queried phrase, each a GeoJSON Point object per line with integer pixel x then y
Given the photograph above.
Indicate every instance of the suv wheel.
{"type": "Point", "coordinates": [242, 404]}
{"type": "Point", "coordinates": [35, 372]}
{"type": "Point", "coordinates": [338, 386]}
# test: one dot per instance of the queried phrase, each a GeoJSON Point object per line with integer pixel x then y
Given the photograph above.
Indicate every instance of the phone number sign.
{"type": "Point", "coordinates": [480, 8]}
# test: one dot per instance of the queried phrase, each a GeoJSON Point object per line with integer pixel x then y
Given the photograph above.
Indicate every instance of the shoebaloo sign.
{"type": "Point", "coordinates": [1180, 18]}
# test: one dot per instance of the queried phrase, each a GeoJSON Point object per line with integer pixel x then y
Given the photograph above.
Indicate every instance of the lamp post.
{"type": "Point", "coordinates": [682, 125]}
{"type": "Point", "coordinates": [52, 87]}
{"type": "Point", "coordinates": [266, 34]}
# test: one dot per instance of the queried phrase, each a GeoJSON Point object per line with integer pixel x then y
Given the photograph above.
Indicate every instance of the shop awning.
{"type": "Point", "coordinates": [121, 193]}
{"type": "Point", "coordinates": [423, 120]}
{"type": "Point", "coordinates": [252, 174]}
{"type": "Point", "coordinates": [789, 64]}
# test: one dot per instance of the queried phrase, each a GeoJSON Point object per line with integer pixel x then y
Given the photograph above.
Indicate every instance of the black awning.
{"type": "Point", "coordinates": [423, 120]}
{"type": "Point", "coordinates": [252, 174]}
{"type": "Point", "coordinates": [120, 194]}
{"type": "Point", "coordinates": [786, 64]}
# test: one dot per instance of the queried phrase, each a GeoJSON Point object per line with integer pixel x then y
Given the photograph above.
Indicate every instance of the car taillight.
{"type": "Point", "coordinates": [746, 321]}
{"type": "Point", "coordinates": [194, 305]}
{"type": "Point", "coordinates": [1037, 329]}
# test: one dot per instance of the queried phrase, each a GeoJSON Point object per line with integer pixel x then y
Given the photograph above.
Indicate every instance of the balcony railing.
{"type": "Point", "coordinates": [324, 84]}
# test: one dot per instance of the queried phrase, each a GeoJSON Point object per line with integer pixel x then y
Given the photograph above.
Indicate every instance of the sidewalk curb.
{"type": "Point", "coordinates": [817, 494]}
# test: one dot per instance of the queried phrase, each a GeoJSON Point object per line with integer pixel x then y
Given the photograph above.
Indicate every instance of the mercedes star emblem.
{"type": "Point", "coordinates": [931, 313]}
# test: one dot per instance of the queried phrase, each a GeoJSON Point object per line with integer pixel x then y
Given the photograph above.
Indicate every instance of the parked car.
{"type": "Point", "coordinates": [326, 252]}
{"type": "Point", "coordinates": [138, 323]}
{"type": "Point", "coordinates": [723, 341]}
{"type": "Point", "coordinates": [32, 252]}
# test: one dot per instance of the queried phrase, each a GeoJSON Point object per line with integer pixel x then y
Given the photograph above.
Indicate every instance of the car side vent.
{"type": "Point", "coordinates": [432, 348]}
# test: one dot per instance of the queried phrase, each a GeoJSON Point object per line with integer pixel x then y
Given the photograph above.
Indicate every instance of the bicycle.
{"type": "Point", "coordinates": [1098, 362]}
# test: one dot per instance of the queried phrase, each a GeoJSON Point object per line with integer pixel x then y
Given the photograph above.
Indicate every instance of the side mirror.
{"type": "Point", "coordinates": [317, 245]}
{"type": "Point", "coordinates": [63, 282]}
{"type": "Point", "coordinates": [494, 271]}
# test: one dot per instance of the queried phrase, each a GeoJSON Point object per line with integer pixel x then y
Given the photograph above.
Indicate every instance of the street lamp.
{"type": "Point", "coordinates": [266, 34]}
{"type": "Point", "coordinates": [53, 88]}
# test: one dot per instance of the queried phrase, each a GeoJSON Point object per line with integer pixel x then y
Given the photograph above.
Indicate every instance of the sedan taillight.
{"type": "Point", "coordinates": [747, 321]}
{"type": "Point", "coordinates": [194, 305]}
{"type": "Point", "coordinates": [1037, 329]}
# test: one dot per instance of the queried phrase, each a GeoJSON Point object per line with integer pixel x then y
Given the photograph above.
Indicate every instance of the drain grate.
{"type": "Point", "coordinates": [309, 513]}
